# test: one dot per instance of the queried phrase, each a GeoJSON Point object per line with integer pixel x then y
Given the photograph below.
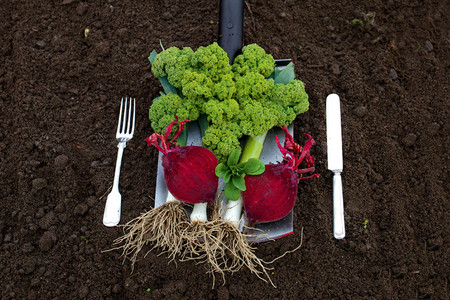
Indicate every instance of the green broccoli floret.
{"type": "Point", "coordinates": [212, 60]}
{"type": "Point", "coordinates": [172, 63]}
{"type": "Point", "coordinates": [175, 72]}
{"type": "Point", "coordinates": [221, 112]}
{"type": "Point", "coordinates": [210, 75]}
{"type": "Point", "coordinates": [289, 100]}
{"type": "Point", "coordinates": [256, 118]}
{"type": "Point", "coordinates": [197, 85]}
{"type": "Point", "coordinates": [164, 58]}
{"type": "Point", "coordinates": [224, 131]}
{"type": "Point", "coordinates": [225, 88]}
{"type": "Point", "coordinates": [253, 85]}
{"type": "Point", "coordinates": [164, 108]}
{"type": "Point", "coordinates": [222, 139]}
{"type": "Point", "coordinates": [254, 59]}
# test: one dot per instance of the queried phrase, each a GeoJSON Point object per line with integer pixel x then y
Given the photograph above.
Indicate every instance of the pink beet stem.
{"type": "Point", "coordinates": [294, 154]}
{"type": "Point", "coordinates": [153, 140]}
{"type": "Point", "coordinates": [165, 146]}
{"type": "Point", "coordinates": [289, 143]}
{"type": "Point", "coordinates": [308, 177]}
{"type": "Point", "coordinates": [179, 131]}
{"type": "Point", "coordinates": [285, 152]}
{"type": "Point", "coordinates": [305, 152]}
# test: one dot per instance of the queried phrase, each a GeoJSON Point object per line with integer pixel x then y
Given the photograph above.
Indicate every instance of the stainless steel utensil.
{"type": "Point", "coordinates": [335, 161]}
{"type": "Point", "coordinates": [125, 130]}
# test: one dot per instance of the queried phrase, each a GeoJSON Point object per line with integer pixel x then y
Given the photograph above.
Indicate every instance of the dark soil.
{"type": "Point", "coordinates": [60, 94]}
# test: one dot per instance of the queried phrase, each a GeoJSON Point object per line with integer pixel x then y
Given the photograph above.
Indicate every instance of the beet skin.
{"type": "Point", "coordinates": [263, 204]}
{"type": "Point", "coordinates": [189, 173]}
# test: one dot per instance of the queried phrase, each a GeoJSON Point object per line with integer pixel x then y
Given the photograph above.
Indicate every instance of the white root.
{"type": "Point", "coordinates": [233, 212]}
{"type": "Point", "coordinates": [199, 213]}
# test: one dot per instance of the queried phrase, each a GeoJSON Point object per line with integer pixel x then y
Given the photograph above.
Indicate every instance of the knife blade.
{"type": "Point", "coordinates": [335, 161]}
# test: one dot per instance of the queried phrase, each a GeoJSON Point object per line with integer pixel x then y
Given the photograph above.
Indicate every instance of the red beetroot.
{"type": "Point", "coordinates": [271, 196]}
{"type": "Point", "coordinates": [189, 171]}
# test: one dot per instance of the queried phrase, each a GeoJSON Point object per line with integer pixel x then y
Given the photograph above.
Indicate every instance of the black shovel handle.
{"type": "Point", "coordinates": [231, 27]}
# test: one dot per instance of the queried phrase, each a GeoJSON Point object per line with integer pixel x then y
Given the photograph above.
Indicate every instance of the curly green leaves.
{"type": "Point", "coordinates": [222, 139]}
{"type": "Point", "coordinates": [163, 110]}
{"type": "Point", "coordinates": [254, 59]}
{"type": "Point", "coordinates": [247, 98]}
{"type": "Point", "coordinates": [233, 173]}
{"type": "Point", "coordinates": [289, 100]}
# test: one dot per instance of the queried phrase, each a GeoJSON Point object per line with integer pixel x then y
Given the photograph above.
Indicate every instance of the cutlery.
{"type": "Point", "coordinates": [125, 130]}
{"type": "Point", "coordinates": [335, 161]}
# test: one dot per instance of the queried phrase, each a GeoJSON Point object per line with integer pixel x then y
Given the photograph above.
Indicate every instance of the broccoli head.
{"type": "Point", "coordinates": [197, 86]}
{"type": "Point", "coordinates": [237, 100]}
{"type": "Point", "coordinates": [221, 112]}
{"type": "Point", "coordinates": [291, 100]}
{"type": "Point", "coordinates": [253, 85]}
{"type": "Point", "coordinates": [257, 117]}
{"type": "Point", "coordinates": [222, 139]}
{"type": "Point", "coordinates": [225, 88]}
{"type": "Point", "coordinates": [172, 63]}
{"type": "Point", "coordinates": [164, 108]}
{"type": "Point", "coordinates": [212, 60]}
{"type": "Point", "coordinates": [254, 59]}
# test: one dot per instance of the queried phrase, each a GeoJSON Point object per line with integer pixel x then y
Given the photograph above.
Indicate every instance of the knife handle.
{"type": "Point", "coordinates": [338, 207]}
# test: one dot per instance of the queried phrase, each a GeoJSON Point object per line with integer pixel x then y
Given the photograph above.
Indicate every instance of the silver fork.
{"type": "Point", "coordinates": [111, 216]}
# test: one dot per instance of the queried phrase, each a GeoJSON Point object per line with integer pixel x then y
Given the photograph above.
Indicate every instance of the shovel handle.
{"type": "Point", "coordinates": [231, 27]}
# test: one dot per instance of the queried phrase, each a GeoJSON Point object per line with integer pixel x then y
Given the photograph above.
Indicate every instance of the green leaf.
{"type": "Point", "coordinates": [233, 159]}
{"type": "Point", "coordinates": [286, 74]}
{"type": "Point", "coordinates": [275, 73]}
{"type": "Point", "coordinates": [240, 168]}
{"type": "Point", "coordinates": [203, 124]}
{"type": "Point", "coordinates": [152, 56]}
{"type": "Point", "coordinates": [227, 176]}
{"type": "Point", "coordinates": [231, 192]}
{"type": "Point", "coordinates": [254, 166]}
{"type": "Point", "coordinates": [221, 169]}
{"type": "Point", "coordinates": [168, 88]}
{"type": "Point", "coordinates": [239, 182]}
{"type": "Point", "coordinates": [182, 139]}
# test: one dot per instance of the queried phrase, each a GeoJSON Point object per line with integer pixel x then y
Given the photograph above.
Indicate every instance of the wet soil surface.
{"type": "Point", "coordinates": [60, 92]}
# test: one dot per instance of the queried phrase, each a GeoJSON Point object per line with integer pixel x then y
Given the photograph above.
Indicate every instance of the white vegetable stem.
{"type": "Point", "coordinates": [233, 211]}
{"type": "Point", "coordinates": [171, 198]}
{"type": "Point", "coordinates": [253, 148]}
{"type": "Point", "coordinates": [199, 213]}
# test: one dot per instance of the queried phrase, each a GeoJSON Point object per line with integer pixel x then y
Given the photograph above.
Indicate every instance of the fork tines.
{"type": "Point", "coordinates": [123, 128]}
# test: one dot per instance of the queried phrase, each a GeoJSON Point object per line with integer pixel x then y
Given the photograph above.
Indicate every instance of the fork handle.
{"type": "Point", "coordinates": [121, 146]}
{"type": "Point", "coordinates": [113, 206]}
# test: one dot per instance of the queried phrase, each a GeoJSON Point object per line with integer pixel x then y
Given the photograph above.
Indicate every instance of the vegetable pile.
{"type": "Point", "coordinates": [235, 106]}
{"type": "Point", "coordinates": [244, 99]}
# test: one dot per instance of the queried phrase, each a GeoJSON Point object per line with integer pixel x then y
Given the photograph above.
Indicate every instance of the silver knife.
{"type": "Point", "coordinates": [335, 162]}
